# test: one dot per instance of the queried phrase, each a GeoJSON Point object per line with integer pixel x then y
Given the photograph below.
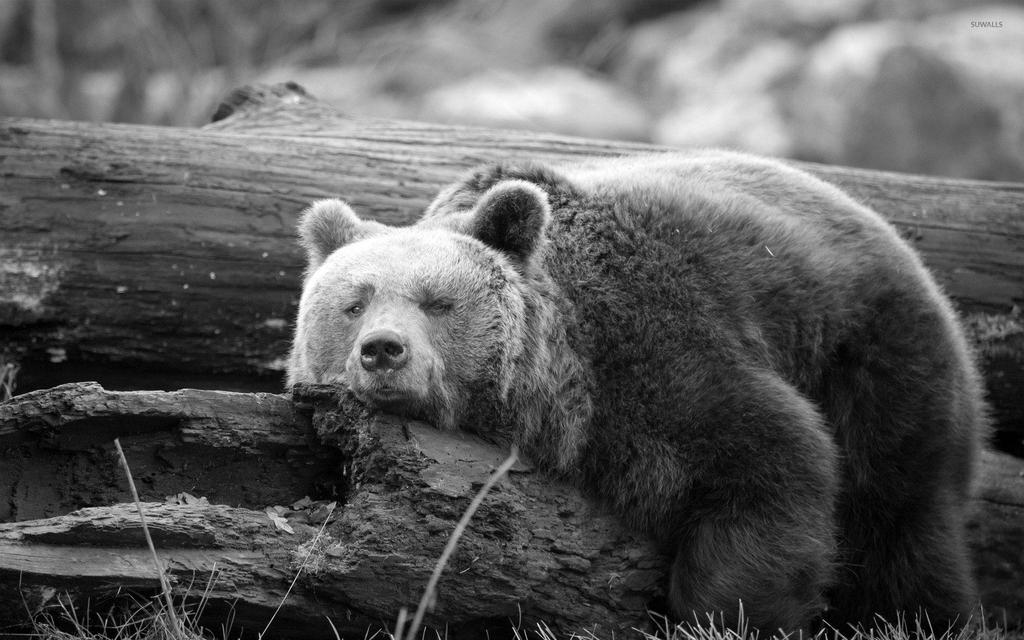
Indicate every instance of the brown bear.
{"type": "Point", "coordinates": [736, 357]}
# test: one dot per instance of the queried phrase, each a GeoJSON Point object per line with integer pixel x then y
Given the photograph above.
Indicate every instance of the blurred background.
{"type": "Point", "coordinates": [924, 86]}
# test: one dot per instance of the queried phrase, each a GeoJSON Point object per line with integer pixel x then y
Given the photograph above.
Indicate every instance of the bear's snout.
{"type": "Point", "coordinates": [383, 349]}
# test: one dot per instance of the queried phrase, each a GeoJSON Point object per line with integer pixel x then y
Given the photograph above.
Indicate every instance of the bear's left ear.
{"type": "Point", "coordinates": [512, 216]}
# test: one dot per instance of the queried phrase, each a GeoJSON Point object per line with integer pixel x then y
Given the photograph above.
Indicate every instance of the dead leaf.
{"type": "Point", "coordinates": [279, 521]}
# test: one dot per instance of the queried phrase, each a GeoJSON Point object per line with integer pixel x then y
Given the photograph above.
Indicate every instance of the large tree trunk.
{"type": "Point", "coordinates": [158, 257]}
{"type": "Point", "coordinates": [536, 551]}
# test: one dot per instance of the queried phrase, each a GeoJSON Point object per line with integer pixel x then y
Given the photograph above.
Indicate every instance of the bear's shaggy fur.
{"type": "Point", "coordinates": [738, 358]}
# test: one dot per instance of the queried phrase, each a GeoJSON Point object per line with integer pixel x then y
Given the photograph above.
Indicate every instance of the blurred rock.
{"type": "Point", "coordinates": [788, 16]}
{"type": "Point", "coordinates": [827, 81]}
{"type": "Point", "coordinates": [559, 99]}
{"type": "Point", "coordinates": [695, 37]}
{"type": "Point", "coordinates": [747, 123]}
{"type": "Point", "coordinates": [590, 31]}
{"type": "Point", "coordinates": [711, 81]}
{"type": "Point", "coordinates": [938, 97]}
{"type": "Point", "coordinates": [919, 115]}
{"type": "Point", "coordinates": [835, 75]}
{"type": "Point", "coordinates": [734, 105]}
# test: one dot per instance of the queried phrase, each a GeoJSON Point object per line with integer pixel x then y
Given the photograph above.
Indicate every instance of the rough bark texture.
{"type": "Point", "coordinates": [536, 549]}
{"type": "Point", "coordinates": [169, 254]}
{"type": "Point", "coordinates": [233, 448]}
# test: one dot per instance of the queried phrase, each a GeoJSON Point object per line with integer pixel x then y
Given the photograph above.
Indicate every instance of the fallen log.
{"type": "Point", "coordinates": [234, 448]}
{"type": "Point", "coordinates": [169, 254]}
{"type": "Point", "coordinates": [537, 550]}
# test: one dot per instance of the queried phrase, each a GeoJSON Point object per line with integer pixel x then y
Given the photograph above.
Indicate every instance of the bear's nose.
{"type": "Point", "coordinates": [383, 349]}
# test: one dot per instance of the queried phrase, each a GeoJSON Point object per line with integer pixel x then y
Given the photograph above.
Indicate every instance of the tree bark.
{"type": "Point", "coordinates": [537, 550]}
{"type": "Point", "coordinates": [234, 448]}
{"type": "Point", "coordinates": [160, 257]}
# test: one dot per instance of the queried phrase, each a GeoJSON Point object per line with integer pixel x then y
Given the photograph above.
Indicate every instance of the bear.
{"type": "Point", "coordinates": [737, 358]}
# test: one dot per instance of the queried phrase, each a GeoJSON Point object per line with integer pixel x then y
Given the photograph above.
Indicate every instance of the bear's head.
{"type": "Point", "coordinates": [429, 321]}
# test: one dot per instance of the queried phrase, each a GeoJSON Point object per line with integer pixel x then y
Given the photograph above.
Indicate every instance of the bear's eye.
{"type": "Point", "coordinates": [438, 307]}
{"type": "Point", "coordinates": [355, 310]}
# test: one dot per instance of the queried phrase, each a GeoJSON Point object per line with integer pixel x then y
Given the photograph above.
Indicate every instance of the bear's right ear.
{"type": "Point", "coordinates": [327, 225]}
{"type": "Point", "coordinates": [512, 217]}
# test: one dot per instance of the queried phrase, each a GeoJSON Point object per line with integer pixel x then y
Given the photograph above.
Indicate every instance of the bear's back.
{"type": "Point", "coordinates": [675, 258]}
{"type": "Point", "coordinates": [747, 200]}
{"type": "Point", "coordinates": [751, 257]}
{"type": "Point", "coordinates": [737, 257]}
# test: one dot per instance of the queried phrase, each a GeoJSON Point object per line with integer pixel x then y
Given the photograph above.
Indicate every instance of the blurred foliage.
{"type": "Point", "coordinates": [168, 61]}
{"type": "Point", "coordinates": [165, 34]}
{"type": "Point", "coordinates": [59, 42]}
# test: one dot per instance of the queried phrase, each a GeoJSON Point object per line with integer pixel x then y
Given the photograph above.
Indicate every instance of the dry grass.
{"type": "Point", "coordinates": [148, 621]}
{"type": "Point", "coordinates": [136, 620]}
{"type": "Point", "coordinates": [158, 619]}
{"type": "Point", "coordinates": [713, 631]}
{"type": "Point", "coordinates": [8, 379]}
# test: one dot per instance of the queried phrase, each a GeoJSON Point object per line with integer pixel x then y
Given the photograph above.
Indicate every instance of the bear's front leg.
{"type": "Point", "coordinates": [755, 528]}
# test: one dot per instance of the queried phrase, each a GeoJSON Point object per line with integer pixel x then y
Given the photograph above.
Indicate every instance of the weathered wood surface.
{"type": "Point", "coordinates": [234, 448]}
{"type": "Point", "coordinates": [170, 253]}
{"type": "Point", "coordinates": [256, 421]}
{"type": "Point", "coordinates": [536, 549]}
{"type": "Point", "coordinates": [996, 533]}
